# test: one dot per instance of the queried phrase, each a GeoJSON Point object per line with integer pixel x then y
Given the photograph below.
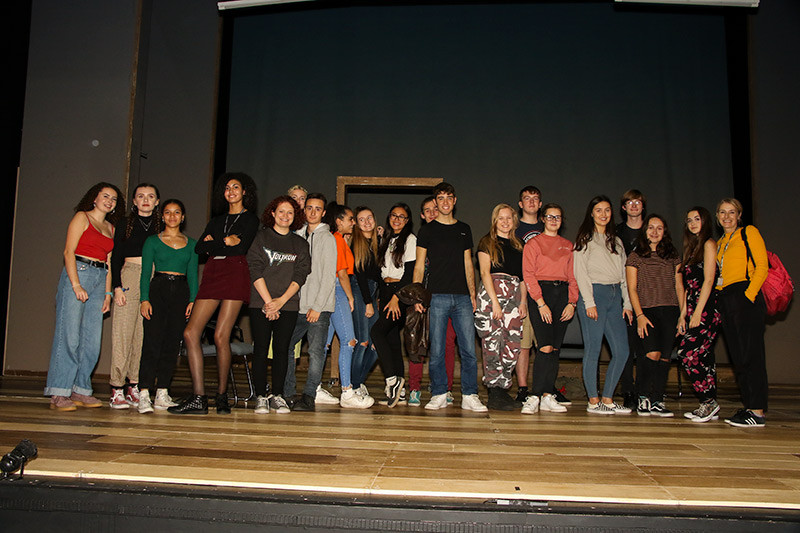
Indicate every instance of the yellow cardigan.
{"type": "Point", "coordinates": [732, 256]}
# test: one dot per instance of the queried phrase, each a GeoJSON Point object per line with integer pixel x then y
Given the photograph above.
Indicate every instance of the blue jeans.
{"type": "Point", "coordinates": [342, 324]}
{"type": "Point", "coordinates": [364, 357]}
{"type": "Point", "coordinates": [608, 299]}
{"type": "Point", "coordinates": [317, 332]}
{"type": "Point", "coordinates": [78, 332]}
{"type": "Point", "coordinates": [458, 308]}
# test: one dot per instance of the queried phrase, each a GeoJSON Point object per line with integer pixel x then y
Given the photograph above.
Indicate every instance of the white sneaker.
{"type": "Point", "coordinates": [262, 405]}
{"type": "Point", "coordinates": [599, 408]}
{"type": "Point", "coordinates": [437, 402]}
{"type": "Point", "coordinates": [352, 400]}
{"type": "Point", "coordinates": [145, 405]}
{"type": "Point", "coordinates": [325, 398]}
{"type": "Point", "coordinates": [117, 400]}
{"type": "Point", "coordinates": [471, 402]}
{"type": "Point", "coordinates": [163, 400]}
{"type": "Point", "coordinates": [279, 405]}
{"type": "Point", "coordinates": [362, 390]}
{"type": "Point", "coordinates": [531, 405]}
{"type": "Point", "coordinates": [549, 403]}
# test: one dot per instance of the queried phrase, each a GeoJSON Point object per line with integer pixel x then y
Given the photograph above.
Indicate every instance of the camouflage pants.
{"type": "Point", "coordinates": [500, 339]}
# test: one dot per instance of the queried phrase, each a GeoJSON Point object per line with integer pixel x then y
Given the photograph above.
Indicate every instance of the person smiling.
{"type": "Point", "coordinates": [126, 270]}
{"type": "Point", "coordinates": [702, 311]}
{"type": "Point", "coordinates": [167, 302]}
{"type": "Point", "coordinates": [604, 305]}
{"type": "Point", "coordinates": [547, 266]}
{"type": "Point", "coordinates": [502, 305]}
{"type": "Point", "coordinates": [279, 263]}
{"type": "Point", "coordinates": [743, 267]}
{"type": "Point", "coordinates": [225, 285]}
{"type": "Point", "coordinates": [83, 296]}
{"type": "Point", "coordinates": [655, 285]}
{"type": "Point", "coordinates": [364, 282]}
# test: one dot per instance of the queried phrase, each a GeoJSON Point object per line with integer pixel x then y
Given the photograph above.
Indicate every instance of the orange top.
{"type": "Point", "coordinates": [344, 255]}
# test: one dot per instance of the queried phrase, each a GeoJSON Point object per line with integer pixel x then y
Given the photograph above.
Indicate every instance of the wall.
{"type": "Point", "coordinates": [79, 89]}
{"type": "Point", "coordinates": [776, 167]}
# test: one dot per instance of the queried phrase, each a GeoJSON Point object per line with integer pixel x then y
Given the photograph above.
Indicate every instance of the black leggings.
{"type": "Point", "coordinates": [545, 365]}
{"type": "Point", "coordinates": [280, 332]}
{"type": "Point", "coordinates": [385, 334]}
{"type": "Point", "coordinates": [169, 297]}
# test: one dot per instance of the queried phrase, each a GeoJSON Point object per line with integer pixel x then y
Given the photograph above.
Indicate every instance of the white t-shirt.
{"type": "Point", "coordinates": [388, 270]}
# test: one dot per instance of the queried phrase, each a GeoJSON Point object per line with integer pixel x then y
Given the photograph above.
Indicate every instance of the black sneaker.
{"type": "Point", "coordinates": [306, 403]}
{"type": "Point", "coordinates": [223, 407]}
{"type": "Point", "coordinates": [659, 409]}
{"type": "Point", "coordinates": [629, 400]}
{"type": "Point", "coordinates": [393, 391]}
{"type": "Point", "coordinates": [522, 394]}
{"type": "Point", "coordinates": [643, 406]}
{"type": "Point", "coordinates": [500, 400]}
{"type": "Point", "coordinates": [560, 398]}
{"type": "Point", "coordinates": [191, 405]}
{"type": "Point", "coordinates": [745, 418]}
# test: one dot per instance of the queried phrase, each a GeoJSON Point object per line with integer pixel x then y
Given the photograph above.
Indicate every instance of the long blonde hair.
{"type": "Point", "coordinates": [489, 241]}
{"type": "Point", "coordinates": [364, 249]}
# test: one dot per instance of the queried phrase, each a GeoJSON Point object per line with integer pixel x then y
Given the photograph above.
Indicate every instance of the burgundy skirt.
{"type": "Point", "coordinates": [225, 279]}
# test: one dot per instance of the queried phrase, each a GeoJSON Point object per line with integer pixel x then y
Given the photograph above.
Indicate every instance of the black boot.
{"type": "Point", "coordinates": [223, 407]}
{"type": "Point", "coordinates": [306, 403]}
{"type": "Point", "coordinates": [629, 400]}
{"type": "Point", "coordinates": [499, 400]}
{"type": "Point", "coordinates": [522, 394]}
{"type": "Point", "coordinates": [191, 405]}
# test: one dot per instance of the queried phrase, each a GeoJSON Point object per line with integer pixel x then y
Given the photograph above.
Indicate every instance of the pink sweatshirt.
{"type": "Point", "coordinates": [548, 258]}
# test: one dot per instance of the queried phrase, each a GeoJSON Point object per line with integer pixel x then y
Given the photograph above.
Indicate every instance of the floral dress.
{"type": "Point", "coordinates": [696, 346]}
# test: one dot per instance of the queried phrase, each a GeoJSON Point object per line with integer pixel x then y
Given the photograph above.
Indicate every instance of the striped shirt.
{"type": "Point", "coordinates": [655, 280]}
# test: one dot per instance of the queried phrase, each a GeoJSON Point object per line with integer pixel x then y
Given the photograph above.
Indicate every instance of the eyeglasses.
{"type": "Point", "coordinates": [398, 217]}
{"type": "Point", "coordinates": [633, 202]}
{"type": "Point", "coordinates": [553, 218]}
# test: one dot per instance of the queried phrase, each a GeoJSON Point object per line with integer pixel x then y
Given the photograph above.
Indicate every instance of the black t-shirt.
{"type": "Point", "coordinates": [445, 245]}
{"type": "Point", "coordinates": [512, 258]}
{"type": "Point", "coordinates": [629, 237]}
{"type": "Point", "coordinates": [526, 232]}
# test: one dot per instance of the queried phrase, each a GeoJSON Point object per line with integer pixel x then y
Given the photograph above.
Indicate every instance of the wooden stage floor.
{"type": "Point", "coordinates": [413, 453]}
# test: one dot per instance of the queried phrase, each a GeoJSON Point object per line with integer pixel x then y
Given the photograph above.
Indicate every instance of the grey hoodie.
{"type": "Point", "coordinates": [318, 291]}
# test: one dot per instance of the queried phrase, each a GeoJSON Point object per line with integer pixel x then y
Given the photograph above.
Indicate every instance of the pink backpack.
{"type": "Point", "coordinates": [778, 288]}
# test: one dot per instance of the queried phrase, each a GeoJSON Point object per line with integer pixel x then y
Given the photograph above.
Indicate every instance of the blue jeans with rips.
{"type": "Point", "coordinates": [458, 308]}
{"type": "Point", "coordinates": [364, 357]}
{"type": "Point", "coordinates": [317, 333]}
{"type": "Point", "coordinates": [78, 333]}
{"type": "Point", "coordinates": [608, 299]}
{"type": "Point", "coordinates": [342, 325]}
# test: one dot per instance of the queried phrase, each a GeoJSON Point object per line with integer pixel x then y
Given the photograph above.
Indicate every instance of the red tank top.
{"type": "Point", "coordinates": [94, 244]}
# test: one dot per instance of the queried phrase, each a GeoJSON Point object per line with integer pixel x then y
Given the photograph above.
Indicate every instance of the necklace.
{"type": "Point", "coordinates": [227, 227]}
{"type": "Point", "coordinates": [175, 245]}
{"type": "Point", "coordinates": [145, 226]}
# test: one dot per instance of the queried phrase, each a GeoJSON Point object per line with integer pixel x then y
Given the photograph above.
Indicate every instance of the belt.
{"type": "Point", "coordinates": [92, 262]}
{"type": "Point", "coordinates": [555, 282]}
{"type": "Point", "coordinates": [170, 277]}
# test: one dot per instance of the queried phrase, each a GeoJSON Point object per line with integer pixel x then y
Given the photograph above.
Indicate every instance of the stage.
{"type": "Point", "coordinates": [545, 465]}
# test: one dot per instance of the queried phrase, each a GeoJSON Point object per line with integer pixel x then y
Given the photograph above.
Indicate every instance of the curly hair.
{"type": "Point", "coordinates": [268, 219]}
{"type": "Point", "coordinates": [183, 210]}
{"type": "Point", "coordinates": [665, 249]}
{"type": "Point", "coordinates": [87, 202]}
{"type": "Point", "coordinates": [249, 191]}
{"type": "Point", "coordinates": [135, 211]}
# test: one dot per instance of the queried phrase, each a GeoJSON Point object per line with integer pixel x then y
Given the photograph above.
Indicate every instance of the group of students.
{"type": "Point", "coordinates": [310, 269]}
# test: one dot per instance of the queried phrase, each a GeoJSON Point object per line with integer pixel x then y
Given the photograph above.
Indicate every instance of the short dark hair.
{"type": "Point", "coordinates": [632, 194]}
{"type": "Point", "coordinates": [444, 187]}
{"type": "Point", "coordinates": [531, 189]}
{"type": "Point", "coordinates": [425, 200]}
{"type": "Point", "coordinates": [317, 196]}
